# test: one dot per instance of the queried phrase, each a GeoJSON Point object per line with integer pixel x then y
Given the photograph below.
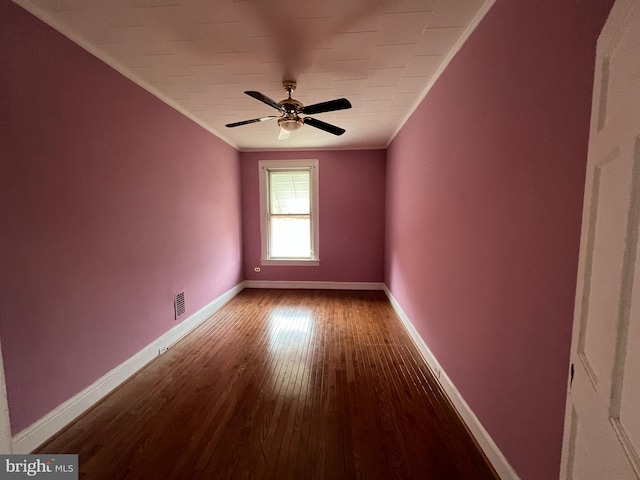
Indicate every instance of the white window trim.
{"type": "Point", "coordinates": [265, 166]}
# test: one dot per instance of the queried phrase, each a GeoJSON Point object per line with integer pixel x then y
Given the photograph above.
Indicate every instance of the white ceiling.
{"type": "Point", "coordinates": [199, 56]}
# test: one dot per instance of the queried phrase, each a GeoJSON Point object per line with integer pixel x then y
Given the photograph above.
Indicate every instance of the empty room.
{"type": "Point", "coordinates": [320, 240]}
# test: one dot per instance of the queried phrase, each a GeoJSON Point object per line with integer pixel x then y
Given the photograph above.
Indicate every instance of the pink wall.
{"type": "Point", "coordinates": [111, 203]}
{"type": "Point", "coordinates": [351, 217]}
{"type": "Point", "coordinates": [484, 198]}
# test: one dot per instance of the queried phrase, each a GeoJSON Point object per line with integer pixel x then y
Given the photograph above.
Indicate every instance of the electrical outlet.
{"type": "Point", "coordinates": [162, 350]}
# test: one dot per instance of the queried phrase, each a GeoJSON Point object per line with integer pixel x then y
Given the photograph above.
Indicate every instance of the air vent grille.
{"type": "Point", "coordinates": [179, 305]}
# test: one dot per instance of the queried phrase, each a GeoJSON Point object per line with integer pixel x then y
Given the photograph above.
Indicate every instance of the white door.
{"type": "Point", "coordinates": [5, 429]}
{"type": "Point", "coordinates": [602, 420]}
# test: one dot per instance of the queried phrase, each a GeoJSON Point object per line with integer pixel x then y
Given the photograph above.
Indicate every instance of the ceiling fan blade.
{"type": "Point", "coordinates": [264, 99]}
{"type": "Point", "coordinates": [327, 127]}
{"type": "Point", "coordinates": [330, 106]}
{"type": "Point", "coordinates": [284, 134]}
{"type": "Point", "coordinates": [253, 120]}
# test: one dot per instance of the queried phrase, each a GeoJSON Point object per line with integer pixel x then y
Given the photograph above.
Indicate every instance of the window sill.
{"type": "Point", "coordinates": [293, 262]}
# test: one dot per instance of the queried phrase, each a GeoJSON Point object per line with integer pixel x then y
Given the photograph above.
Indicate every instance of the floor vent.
{"type": "Point", "coordinates": [178, 302]}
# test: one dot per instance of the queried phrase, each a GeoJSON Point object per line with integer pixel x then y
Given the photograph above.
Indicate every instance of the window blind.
{"type": "Point", "coordinates": [290, 192]}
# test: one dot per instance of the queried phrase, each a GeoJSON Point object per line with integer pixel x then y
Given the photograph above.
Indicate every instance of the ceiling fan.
{"type": "Point", "coordinates": [290, 109]}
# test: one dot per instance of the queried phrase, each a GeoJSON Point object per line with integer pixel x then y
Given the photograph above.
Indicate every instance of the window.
{"type": "Point", "coordinates": [289, 212]}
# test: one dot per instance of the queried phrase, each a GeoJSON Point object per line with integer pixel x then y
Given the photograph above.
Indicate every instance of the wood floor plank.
{"type": "Point", "coordinates": [281, 384]}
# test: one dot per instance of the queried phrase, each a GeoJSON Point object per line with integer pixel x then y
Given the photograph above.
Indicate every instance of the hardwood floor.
{"type": "Point", "coordinates": [280, 384]}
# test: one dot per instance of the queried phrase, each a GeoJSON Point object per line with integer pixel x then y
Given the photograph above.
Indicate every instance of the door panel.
{"type": "Point", "coordinates": [625, 392]}
{"type": "Point", "coordinates": [608, 205]}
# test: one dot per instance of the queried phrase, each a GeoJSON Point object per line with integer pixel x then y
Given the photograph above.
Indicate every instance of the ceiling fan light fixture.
{"type": "Point", "coordinates": [290, 124]}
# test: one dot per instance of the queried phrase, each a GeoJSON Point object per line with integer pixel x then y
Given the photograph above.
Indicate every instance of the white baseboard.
{"type": "Point", "coordinates": [40, 431]}
{"type": "Point", "coordinates": [314, 285]}
{"type": "Point", "coordinates": [489, 447]}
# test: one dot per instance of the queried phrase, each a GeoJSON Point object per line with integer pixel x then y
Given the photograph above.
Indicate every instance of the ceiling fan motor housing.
{"type": "Point", "coordinates": [291, 107]}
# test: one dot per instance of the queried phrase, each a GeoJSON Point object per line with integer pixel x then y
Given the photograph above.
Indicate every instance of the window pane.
{"type": "Point", "coordinates": [290, 192]}
{"type": "Point", "coordinates": [290, 237]}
